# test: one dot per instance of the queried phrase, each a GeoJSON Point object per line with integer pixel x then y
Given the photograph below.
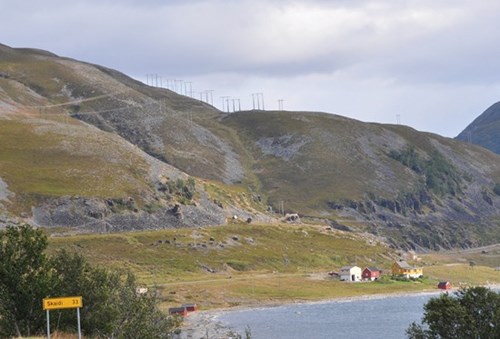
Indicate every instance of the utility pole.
{"type": "Point", "coordinates": [170, 85]}
{"type": "Point", "coordinates": [190, 88]}
{"type": "Point", "coordinates": [259, 98]}
{"type": "Point", "coordinates": [181, 86]}
{"type": "Point", "coordinates": [224, 98]}
{"type": "Point", "coordinates": [398, 119]}
{"type": "Point", "coordinates": [253, 100]}
{"type": "Point", "coordinates": [210, 92]}
{"type": "Point", "coordinates": [280, 104]}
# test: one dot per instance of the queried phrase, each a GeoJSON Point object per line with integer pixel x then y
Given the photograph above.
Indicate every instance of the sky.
{"type": "Point", "coordinates": [432, 65]}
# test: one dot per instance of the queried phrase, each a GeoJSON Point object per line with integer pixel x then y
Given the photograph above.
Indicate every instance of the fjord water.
{"type": "Point", "coordinates": [383, 317]}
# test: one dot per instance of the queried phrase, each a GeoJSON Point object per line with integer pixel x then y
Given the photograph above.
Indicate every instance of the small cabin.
{"type": "Point", "coordinates": [350, 273]}
{"type": "Point", "coordinates": [444, 285]}
{"type": "Point", "coordinates": [182, 311]}
{"type": "Point", "coordinates": [370, 273]}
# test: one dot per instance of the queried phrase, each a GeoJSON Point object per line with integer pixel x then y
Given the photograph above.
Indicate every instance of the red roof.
{"type": "Point", "coordinates": [444, 285]}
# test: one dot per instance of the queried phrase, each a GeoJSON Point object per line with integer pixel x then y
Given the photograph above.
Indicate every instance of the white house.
{"type": "Point", "coordinates": [350, 273]}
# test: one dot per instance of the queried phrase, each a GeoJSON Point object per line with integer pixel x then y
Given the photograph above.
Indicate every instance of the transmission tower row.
{"type": "Point", "coordinates": [229, 105]}
{"type": "Point", "coordinates": [258, 98]}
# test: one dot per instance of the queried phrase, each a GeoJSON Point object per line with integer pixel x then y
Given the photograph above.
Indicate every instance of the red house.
{"type": "Point", "coordinates": [370, 273]}
{"type": "Point", "coordinates": [182, 311]}
{"type": "Point", "coordinates": [444, 285]}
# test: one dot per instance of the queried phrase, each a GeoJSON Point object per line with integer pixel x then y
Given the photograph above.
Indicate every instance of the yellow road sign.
{"type": "Point", "coordinates": [59, 303]}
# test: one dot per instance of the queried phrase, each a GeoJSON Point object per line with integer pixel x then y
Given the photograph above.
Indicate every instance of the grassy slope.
{"type": "Point", "coordinates": [42, 159]}
{"type": "Point", "coordinates": [284, 248]}
{"type": "Point", "coordinates": [281, 263]}
{"type": "Point", "coordinates": [65, 165]}
{"type": "Point", "coordinates": [313, 175]}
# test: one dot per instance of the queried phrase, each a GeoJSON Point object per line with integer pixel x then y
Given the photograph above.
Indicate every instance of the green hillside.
{"type": "Point", "coordinates": [87, 145]}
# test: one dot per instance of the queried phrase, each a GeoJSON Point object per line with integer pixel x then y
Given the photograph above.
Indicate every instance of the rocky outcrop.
{"type": "Point", "coordinates": [423, 220]}
{"type": "Point", "coordinates": [97, 215]}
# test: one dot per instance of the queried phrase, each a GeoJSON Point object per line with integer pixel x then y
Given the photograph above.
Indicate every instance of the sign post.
{"type": "Point", "coordinates": [63, 303]}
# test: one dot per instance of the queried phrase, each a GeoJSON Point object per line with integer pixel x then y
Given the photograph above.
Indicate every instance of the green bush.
{"type": "Point", "coordinates": [184, 190]}
{"type": "Point", "coordinates": [441, 177]}
{"type": "Point", "coordinates": [111, 306]}
{"type": "Point", "coordinates": [468, 313]}
{"type": "Point", "coordinates": [238, 265]}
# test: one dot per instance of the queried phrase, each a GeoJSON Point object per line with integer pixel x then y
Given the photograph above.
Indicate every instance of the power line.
{"type": "Point", "coordinates": [280, 104]}
{"type": "Point", "coordinates": [259, 99]}
{"type": "Point", "coordinates": [261, 95]}
{"type": "Point", "coordinates": [224, 98]}
{"type": "Point", "coordinates": [190, 88]}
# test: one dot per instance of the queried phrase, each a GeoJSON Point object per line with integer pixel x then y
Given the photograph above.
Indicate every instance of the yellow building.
{"type": "Point", "coordinates": [402, 268]}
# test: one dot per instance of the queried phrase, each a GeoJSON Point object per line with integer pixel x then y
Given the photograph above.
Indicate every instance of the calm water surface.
{"type": "Point", "coordinates": [386, 317]}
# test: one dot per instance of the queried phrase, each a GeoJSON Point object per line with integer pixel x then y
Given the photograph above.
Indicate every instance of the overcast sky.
{"type": "Point", "coordinates": [432, 65]}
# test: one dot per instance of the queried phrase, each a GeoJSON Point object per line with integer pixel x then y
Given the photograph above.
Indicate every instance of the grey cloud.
{"type": "Point", "coordinates": [409, 43]}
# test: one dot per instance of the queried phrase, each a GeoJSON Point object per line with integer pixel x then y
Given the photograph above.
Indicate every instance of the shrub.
{"type": "Point", "coordinates": [441, 177]}
{"type": "Point", "coordinates": [468, 313]}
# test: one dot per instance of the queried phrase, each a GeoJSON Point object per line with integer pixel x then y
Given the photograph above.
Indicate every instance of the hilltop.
{"type": "Point", "coordinates": [484, 130]}
{"type": "Point", "coordinates": [89, 147]}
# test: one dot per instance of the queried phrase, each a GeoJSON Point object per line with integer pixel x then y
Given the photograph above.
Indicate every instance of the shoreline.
{"type": "Point", "coordinates": [203, 324]}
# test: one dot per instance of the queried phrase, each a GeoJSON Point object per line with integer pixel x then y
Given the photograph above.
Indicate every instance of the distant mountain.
{"type": "Point", "coordinates": [86, 147]}
{"type": "Point", "coordinates": [485, 130]}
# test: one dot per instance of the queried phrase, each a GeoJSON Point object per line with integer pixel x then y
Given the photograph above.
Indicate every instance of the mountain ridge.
{"type": "Point", "coordinates": [412, 188]}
